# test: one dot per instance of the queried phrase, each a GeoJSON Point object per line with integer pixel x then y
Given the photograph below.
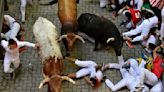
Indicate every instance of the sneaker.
{"type": "Point", "coordinates": [12, 75]}
{"type": "Point", "coordinates": [129, 44]}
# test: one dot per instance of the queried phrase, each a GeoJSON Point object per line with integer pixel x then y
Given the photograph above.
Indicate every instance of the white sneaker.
{"type": "Point", "coordinates": [103, 3]}
{"type": "Point", "coordinates": [23, 19]}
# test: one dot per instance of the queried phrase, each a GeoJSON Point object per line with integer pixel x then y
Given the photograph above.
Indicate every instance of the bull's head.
{"type": "Point", "coordinates": [52, 69]}
{"type": "Point", "coordinates": [71, 38]}
{"type": "Point", "coordinates": [54, 82]}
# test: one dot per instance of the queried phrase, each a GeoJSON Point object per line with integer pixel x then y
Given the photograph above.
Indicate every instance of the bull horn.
{"type": "Point", "coordinates": [80, 38]}
{"type": "Point", "coordinates": [68, 79]}
{"type": "Point", "coordinates": [110, 39]}
{"type": "Point", "coordinates": [61, 37]}
{"type": "Point", "coordinates": [47, 79]}
{"type": "Point", "coordinates": [56, 59]}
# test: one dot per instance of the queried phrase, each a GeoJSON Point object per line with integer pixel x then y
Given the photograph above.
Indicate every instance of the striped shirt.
{"type": "Point", "coordinates": [156, 3]}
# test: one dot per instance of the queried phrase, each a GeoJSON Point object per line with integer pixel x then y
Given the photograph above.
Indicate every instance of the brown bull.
{"type": "Point", "coordinates": [46, 35]}
{"type": "Point", "coordinates": [67, 12]}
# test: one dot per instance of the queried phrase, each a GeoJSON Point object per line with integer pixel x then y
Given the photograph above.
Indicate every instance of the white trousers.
{"type": "Point", "coordinates": [12, 33]}
{"type": "Point", "coordinates": [150, 78]}
{"type": "Point", "coordinates": [139, 4]}
{"type": "Point", "coordinates": [87, 67]}
{"type": "Point", "coordinates": [151, 39]}
{"type": "Point", "coordinates": [143, 28]}
{"type": "Point", "coordinates": [7, 63]}
{"type": "Point", "coordinates": [23, 8]}
{"type": "Point", "coordinates": [162, 25]}
{"type": "Point", "coordinates": [103, 3]}
{"type": "Point", "coordinates": [130, 79]}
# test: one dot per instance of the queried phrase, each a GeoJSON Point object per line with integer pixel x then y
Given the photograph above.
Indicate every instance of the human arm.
{"type": "Point", "coordinates": [4, 43]}
{"type": "Point", "coordinates": [121, 10]}
{"type": "Point", "coordinates": [155, 50]}
{"type": "Point", "coordinates": [28, 44]}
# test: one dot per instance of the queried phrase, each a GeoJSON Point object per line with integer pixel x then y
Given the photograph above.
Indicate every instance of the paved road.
{"type": "Point", "coordinates": [29, 77]}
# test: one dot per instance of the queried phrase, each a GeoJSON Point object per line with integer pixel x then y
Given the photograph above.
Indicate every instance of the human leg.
{"type": "Point", "coordinates": [116, 87]}
{"type": "Point", "coordinates": [23, 9]}
{"type": "Point", "coordinates": [14, 30]}
{"type": "Point", "coordinates": [138, 38]}
{"type": "Point", "coordinates": [110, 65]}
{"type": "Point", "coordinates": [139, 4]}
{"type": "Point", "coordinates": [6, 64]}
{"type": "Point", "coordinates": [150, 77]}
{"type": "Point", "coordinates": [83, 72]}
{"type": "Point", "coordinates": [16, 63]}
{"type": "Point", "coordinates": [135, 31]}
{"type": "Point", "coordinates": [85, 63]}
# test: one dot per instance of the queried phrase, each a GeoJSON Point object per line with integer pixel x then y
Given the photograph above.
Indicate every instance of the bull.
{"type": "Point", "coordinates": [101, 30]}
{"type": "Point", "coordinates": [67, 13]}
{"type": "Point", "coordinates": [52, 60]}
{"type": "Point", "coordinates": [55, 1]}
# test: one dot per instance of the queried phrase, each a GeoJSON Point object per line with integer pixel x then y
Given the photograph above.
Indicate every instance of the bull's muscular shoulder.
{"type": "Point", "coordinates": [67, 10]}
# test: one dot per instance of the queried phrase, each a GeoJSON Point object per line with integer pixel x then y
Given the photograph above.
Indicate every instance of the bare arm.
{"type": "Point", "coordinates": [155, 50]}
{"type": "Point", "coordinates": [121, 10]}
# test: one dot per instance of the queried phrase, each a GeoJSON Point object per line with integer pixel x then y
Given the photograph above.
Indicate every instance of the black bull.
{"type": "Point", "coordinates": [101, 29]}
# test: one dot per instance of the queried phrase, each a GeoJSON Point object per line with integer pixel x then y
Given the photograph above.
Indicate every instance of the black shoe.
{"type": "Point", "coordinates": [12, 75]}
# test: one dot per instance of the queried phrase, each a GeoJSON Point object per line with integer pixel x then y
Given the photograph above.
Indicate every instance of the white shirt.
{"type": "Point", "coordinates": [14, 53]}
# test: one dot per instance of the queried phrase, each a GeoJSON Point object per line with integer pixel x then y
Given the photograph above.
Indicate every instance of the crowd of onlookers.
{"type": "Point", "coordinates": [144, 20]}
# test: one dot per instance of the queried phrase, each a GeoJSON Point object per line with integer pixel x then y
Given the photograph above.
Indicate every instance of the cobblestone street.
{"type": "Point", "coordinates": [29, 76]}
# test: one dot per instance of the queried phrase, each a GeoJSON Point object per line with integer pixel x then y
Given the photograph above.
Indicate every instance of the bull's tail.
{"type": "Point", "coordinates": [51, 2]}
